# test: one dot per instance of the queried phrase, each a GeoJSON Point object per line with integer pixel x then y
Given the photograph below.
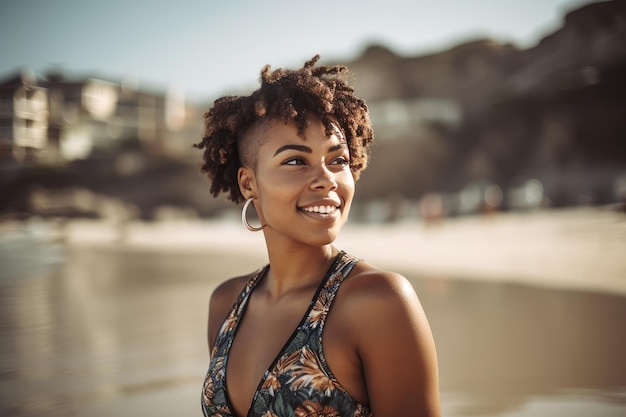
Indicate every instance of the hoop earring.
{"type": "Point", "coordinates": [245, 220]}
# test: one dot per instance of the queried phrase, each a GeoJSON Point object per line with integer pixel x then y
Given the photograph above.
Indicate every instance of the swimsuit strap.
{"type": "Point", "coordinates": [237, 309]}
{"type": "Point", "coordinates": [343, 266]}
{"type": "Point", "coordinates": [323, 304]}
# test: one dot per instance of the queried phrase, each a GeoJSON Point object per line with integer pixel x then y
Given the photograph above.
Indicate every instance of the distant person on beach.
{"type": "Point", "coordinates": [316, 332]}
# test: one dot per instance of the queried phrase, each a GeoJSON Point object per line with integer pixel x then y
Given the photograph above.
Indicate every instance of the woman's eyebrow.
{"type": "Point", "coordinates": [334, 148]}
{"type": "Point", "coordinates": [300, 148]}
{"type": "Point", "coordinates": [306, 149]}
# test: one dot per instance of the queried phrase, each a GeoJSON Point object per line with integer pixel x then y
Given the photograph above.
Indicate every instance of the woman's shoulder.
{"type": "Point", "coordinates": [222, 300]}
{"type": "Point", "coordinates": [228, 291]}
{"type": "Point", "coordinates": [378, 298]}
{"type": "Point", "coordinates": [367, 281]}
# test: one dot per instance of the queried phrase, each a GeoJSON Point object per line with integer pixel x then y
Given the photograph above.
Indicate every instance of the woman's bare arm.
{"type": "Point", "coordinates": [396, 347]}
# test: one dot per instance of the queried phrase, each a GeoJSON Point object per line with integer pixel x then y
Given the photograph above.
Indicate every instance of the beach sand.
{"type": "Point", "coordinates": [527, 310]}
{"type": "Point", "coordinates": [580, 248]}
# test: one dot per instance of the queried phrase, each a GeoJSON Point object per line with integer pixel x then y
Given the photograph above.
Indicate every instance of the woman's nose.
{"type": "Point", "coordinates": [324, 178]}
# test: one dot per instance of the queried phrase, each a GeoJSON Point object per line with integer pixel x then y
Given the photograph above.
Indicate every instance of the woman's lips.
{"type": "Point", "coordinates": [321, 211]}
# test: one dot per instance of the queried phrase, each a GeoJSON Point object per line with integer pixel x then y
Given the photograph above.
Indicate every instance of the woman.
{"type": "Point", "coordinates": [316, 332]}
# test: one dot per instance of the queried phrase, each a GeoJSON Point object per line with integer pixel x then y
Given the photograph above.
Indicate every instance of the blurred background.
{"type": "Point", "coordinates": [497, 185]}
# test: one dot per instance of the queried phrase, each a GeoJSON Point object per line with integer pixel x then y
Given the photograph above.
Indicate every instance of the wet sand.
{"type": "Point", "coordinates": [109, 332]}
{"type": "Point", "coordinates": [107, 328]}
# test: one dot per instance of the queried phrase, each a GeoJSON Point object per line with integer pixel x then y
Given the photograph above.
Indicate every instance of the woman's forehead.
{"type": "Point", "coordinates": [280, 131]}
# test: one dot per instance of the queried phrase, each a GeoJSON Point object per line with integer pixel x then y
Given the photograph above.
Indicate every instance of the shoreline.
{"type": "Point", "coordinates": [579, 249]}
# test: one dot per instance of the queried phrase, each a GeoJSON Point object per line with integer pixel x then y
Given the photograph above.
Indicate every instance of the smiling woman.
{"type": "Point", "coordinates": [309, 172]}
{"type": "Point", "coordinates": [316, 331]}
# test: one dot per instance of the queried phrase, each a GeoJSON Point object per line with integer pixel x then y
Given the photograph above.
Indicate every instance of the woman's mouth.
{"type": "Point", "coordinates": [324, 211]}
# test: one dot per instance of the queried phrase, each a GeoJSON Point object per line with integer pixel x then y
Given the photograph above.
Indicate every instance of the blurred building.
{"type": "Point", "coordinates": [54, 120]}
{"type": "Point", "coordinates": [77, 147]}
{"type": "Point", "coordinates": [24, 118]}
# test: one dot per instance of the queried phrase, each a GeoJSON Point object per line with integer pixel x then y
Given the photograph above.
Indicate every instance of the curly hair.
{"type": "Point", "coordinates": [292, 96]}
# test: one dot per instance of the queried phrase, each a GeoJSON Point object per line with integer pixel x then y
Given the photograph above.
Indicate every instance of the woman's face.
{"type": "Point", "coordinates": [304, 186]}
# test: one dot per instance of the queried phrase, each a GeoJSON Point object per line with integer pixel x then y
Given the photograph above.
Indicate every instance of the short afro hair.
{"type": "Point", "coordinates": [292, 96]}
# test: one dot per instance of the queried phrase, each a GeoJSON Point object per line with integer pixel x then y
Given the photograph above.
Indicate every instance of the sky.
{"type": "Point", "coordinates": [207, 48]}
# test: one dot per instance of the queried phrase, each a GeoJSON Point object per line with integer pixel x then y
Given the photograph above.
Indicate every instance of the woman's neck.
{"type": "Point", "coordinates": [295, 267]}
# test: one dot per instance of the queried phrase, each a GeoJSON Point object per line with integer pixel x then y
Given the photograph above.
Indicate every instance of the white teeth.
{"type": "Point", "coordinates": [320, 209]}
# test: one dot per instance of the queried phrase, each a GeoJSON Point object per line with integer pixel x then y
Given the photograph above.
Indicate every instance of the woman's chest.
{"type": "Point", "coordinates": [258, 343]}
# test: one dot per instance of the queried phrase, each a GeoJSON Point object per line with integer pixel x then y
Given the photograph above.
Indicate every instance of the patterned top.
{"type": "Point", "coordinates": [299, 382]}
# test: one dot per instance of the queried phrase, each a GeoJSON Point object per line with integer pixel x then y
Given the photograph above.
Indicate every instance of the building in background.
{"type": "Point", "coordinates": [24, 118]}
{"type": "Point", "coordinates": [88, 147]}
{"type": "Point", "coordinates": [54, 121]}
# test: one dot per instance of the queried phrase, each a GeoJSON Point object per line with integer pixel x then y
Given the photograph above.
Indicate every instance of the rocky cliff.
{"type": "Point", "coordinates": [555, 112]}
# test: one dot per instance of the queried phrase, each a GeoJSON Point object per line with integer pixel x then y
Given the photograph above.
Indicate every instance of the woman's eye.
{"type": "Point", "coordinates": [294, 161]}
{"type": "Point", "coordinates": [340, 161]}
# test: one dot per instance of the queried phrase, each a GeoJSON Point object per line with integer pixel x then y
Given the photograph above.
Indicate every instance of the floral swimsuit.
{"type": "Point", "coordinates": [299, 382]}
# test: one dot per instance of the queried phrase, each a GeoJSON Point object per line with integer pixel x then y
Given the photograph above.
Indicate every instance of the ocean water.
{"type": "Point", "coordinates": [116, 331]}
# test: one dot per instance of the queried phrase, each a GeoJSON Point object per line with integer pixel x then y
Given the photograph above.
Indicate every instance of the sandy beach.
{"type": "Point", "coordinates": [580, 248]}
{"type": "Point", "coordinates": [527, 310]}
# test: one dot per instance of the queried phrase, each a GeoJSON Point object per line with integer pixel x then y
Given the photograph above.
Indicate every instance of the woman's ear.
{"type": "Point", "coordinates": [247, 183]}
